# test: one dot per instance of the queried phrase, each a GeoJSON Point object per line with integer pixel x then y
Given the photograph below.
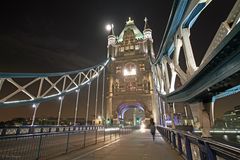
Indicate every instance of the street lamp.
{"type": "Point", "coordinates": [108, 27]}
{"type": "Point", "coordinates": [35, 106]}
{"type": "Point", "coordinates": [60, 109]}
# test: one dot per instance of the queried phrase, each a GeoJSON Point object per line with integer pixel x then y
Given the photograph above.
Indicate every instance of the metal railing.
{"type": "Point", "coordinates": [28, 129]}
{"type": "Point", "coordinates": [193, 147]}
{"type": "Point", "coordinates": [46, 145]}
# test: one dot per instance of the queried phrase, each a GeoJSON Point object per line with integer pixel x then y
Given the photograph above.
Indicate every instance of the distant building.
{"type": "Point", "coordinates": [232, 118]}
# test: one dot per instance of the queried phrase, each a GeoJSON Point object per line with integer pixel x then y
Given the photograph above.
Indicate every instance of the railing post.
{"type": "Point", "coordinates": [210, 154]}
{"type": "Point", "coordinates": [68, 134]}
{"type": "Point", "coordinates": [179, 143]}
{"type": "Point", "coordinates": [110, 134]}
{"type": "Point", "coordinates": [96, 134]}
{"type": "Point", "coordinates": [188, 148]}
{"type": "Point", "coordinates": [104, 135]}
{"type": "Point", "coordinates": [84, 138]}
{"type": "Point", "coordinates": [39, 147]}
{"type": "Point", "coordinates": [174, 140]}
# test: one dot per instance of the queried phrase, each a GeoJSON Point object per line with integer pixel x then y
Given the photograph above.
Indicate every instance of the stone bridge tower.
{"type": "Point", "coordinates": [129, 76]}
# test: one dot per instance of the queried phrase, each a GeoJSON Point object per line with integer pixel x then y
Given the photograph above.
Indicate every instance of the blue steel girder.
{"type": "Point", "coordinates": [33, 88]}
{"type": "Point", "coordinates": [183, 15]}
{"type": "Point", "coordinates": [221, 64]}
{"type": "Point", "coordinates": [228, 92]}
{"type": "Point", "coordinates": [176, 15]}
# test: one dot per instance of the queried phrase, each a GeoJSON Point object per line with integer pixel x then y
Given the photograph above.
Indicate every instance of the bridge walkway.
{"type": "Point", "coordinates": [136, 146]}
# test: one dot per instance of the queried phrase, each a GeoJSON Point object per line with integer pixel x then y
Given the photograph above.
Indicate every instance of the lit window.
{"type": "Point", "coordinates": [118, 69]}
{"type": "Point", "coordinates": [142, 67]}
{"type": "Point", "coordinates": [127, 47]}
{"type": "Point", "coordinates": [129, 69]}
{"type": "Point", "coordinates": [137, 47]}
{"type": "Point", "coordinates": [122, 49]}
{"type": "Point", "coordinates": [131, 47]}
{"type": "Point", "coordinates": [131, 72]}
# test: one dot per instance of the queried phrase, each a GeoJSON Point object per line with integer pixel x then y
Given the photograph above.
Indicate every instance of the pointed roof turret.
{"type": "Point", "coordinates": [130, 25]}
{"type": "Point", "coordinates": [146, 26]}
{"type": "Point", "coordinates": [130, 21]}
{"type": "Point", "coordinates": [111, 36]}
{"type": "Point", "coordinates": [147, 32]}
{"type": "Point", "coordinates": [112, 30]}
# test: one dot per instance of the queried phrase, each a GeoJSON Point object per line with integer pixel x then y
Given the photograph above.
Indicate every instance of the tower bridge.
{"type": "Point", "coordinates": [133, 85]}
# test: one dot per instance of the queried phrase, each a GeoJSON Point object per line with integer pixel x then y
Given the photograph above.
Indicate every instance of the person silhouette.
{"type": "Point", "coordinates": [152, 128]}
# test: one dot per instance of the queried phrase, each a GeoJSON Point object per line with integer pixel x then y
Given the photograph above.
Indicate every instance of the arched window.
{"type": "Point", "coordinates": [130, 69]}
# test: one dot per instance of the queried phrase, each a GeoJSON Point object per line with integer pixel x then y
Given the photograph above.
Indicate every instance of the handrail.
{"type": "Point", "coordinates": [195, 147]}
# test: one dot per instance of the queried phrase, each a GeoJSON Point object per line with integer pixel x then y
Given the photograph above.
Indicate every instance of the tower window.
{"type": "Point", "coordinates": [131, 47]}
{"type": "Point", "coordinates": [137, 47]}
{"type": "Point", "coordinates": [130, 69]}
{"type": "Point", "coordinates": [142, 67]}
{"type": "Point", "coordinates": [118, 69]}
{"type": "Point", "coordinates": [122, 49]}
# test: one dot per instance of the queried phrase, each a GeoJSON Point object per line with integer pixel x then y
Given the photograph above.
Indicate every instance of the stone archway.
{"type": "Point", "coordinates": [124, 107]}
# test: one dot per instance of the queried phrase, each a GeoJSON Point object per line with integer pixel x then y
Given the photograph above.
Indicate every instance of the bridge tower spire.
{"type": "Point", "coordinates": [147, 36]}
{"type": "Point", "coordinates": [111, 42]}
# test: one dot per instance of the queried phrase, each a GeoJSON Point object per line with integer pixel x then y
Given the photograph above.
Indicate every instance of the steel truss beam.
{"type": "Point", "coordinates": [48, 85]}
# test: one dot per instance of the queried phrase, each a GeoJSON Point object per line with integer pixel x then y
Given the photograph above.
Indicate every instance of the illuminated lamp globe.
{"type": "Point", "coordinates": [108, 27]}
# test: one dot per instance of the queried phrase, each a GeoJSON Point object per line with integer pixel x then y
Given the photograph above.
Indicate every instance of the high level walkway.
{"type": "Point", "coordinates": [136, 146]}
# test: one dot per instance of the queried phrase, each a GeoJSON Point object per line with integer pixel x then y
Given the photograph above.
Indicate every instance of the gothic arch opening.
{"type": "Point", "coordinates": [131, 114]}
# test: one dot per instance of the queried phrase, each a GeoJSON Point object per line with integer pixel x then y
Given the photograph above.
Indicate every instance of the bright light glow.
{"type": "Point", "coordinates": [108, 27]}
{"type": "Point", "coordinates": [113, 59]}
{"type": "Point", "coordinates": [60, 98]}
{"type": "Point", "coordinates": [99, 117]}
{"type": "Point", "coordinates": [220, 131]}
{"type": "Point", "coordinates": [131, 72]}
{"type": "Point", "coordinates": [111, 129]}
{"type": "Point", "coordinates": [34, 106]}
{"type": "Point", "coordinates": [142, 128]}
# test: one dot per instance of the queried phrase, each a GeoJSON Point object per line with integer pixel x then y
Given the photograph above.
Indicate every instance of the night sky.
{"type": "Point", "coordinates": [52, 36]}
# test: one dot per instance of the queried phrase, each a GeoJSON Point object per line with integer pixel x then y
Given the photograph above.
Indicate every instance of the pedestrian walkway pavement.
{"type": "Point", "coordinates": [136, 146]}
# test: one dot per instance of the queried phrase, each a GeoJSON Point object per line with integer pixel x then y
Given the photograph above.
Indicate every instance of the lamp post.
{"type": "Point", "coordinates": [60, 110]}
{"type": "Point", "coordinates": [88, 101]}
{"type": "Point", "coordinates": [76, 107]}
{"type": "Point", "coordinates": [103, 85]}
{"type": "Point", "coordinates": [35, 106]}
{"type": "Point", "coordinates": [96, 100]}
